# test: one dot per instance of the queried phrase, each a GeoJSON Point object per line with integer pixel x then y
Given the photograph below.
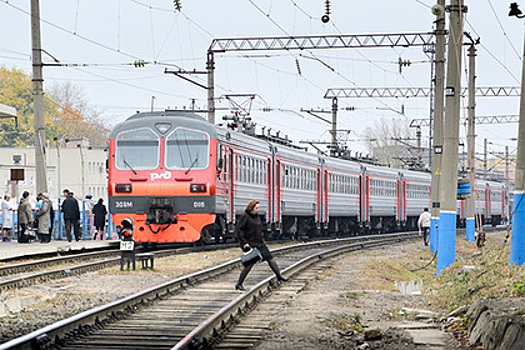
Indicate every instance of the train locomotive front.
{"type": "Point", "coordinates": [162, 171]}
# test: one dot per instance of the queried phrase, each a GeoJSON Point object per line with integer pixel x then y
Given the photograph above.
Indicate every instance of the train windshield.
{"type": "Point", "coordinates": [187, 149]}
{"type": "Point", "coordinates": [137, 150]}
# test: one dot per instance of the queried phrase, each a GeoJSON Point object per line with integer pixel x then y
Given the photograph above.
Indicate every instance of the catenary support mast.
{"type": "Point", "coordinates": [38, 92]}
{"type": "Point", "coordinates": [471, 143]}
{"type": "Point", "coordinates": [449, 162]}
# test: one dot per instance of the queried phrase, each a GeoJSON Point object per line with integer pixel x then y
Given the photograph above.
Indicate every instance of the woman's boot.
{"type": "Point", "coordinates": [243, 275]}
{"type": "Point", "coordinates": [275, 269]}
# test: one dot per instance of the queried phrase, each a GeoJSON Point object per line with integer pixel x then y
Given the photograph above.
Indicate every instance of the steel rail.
{"type": "Point", "coordinates": [217, 323]}
{"type": "Point", "coordinates": [64, 272]}
{"type": "Point", "coordinates": [60, 252]}
{"type": "Point", "coordinates": [33, 265]}
{"type": "Point", "coordinates": [76, 324]}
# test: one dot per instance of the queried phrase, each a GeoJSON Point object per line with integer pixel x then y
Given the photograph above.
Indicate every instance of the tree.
{"type": "Point", "coordinates": [63, 114]}
{"type": "Point", "coordinates": [77, 117]}
{"type": "Point", "coordinates": [381, 141]}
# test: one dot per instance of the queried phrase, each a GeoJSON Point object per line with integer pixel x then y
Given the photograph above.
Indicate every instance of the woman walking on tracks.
{"type": "Point", "coordinates": [249, 232]}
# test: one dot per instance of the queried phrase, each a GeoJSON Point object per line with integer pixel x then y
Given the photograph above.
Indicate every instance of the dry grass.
{"type": "Point", "coordinates": [471, 276]}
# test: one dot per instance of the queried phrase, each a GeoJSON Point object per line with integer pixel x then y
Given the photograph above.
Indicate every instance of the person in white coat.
{"type": "Point", "coordinates": [424, 225]}
{"type": "Point", "coordinates": [7, 217]}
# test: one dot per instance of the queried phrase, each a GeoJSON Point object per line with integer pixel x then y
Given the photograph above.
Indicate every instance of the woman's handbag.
{"type": "Point", "coordinates": [251, 256]}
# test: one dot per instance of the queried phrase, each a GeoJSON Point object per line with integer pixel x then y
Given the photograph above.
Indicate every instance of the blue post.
{"type": "Point", "coordinates": [517, 244]}
{"type": "Point", "coordinates": [471, 229]}
{"type": "Point", "coordinates": [110, 226]}
{"type": "Point", "coordinates": [446, 240]}
{"type": "Point", "coordinates": [60, 217]}
{"type": "Point", "coordinates": [84, 228]}
{"type": "Point", "coordinates": [434, 234]}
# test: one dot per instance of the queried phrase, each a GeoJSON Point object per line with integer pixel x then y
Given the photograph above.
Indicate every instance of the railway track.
{"type": "Point", "coordinates": [28, 273]}
{"type": "Point", "coordinates": [186, 311]}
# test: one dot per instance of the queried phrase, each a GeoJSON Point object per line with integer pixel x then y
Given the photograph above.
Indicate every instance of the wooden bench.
{"type": "Point", "coordinates": [147, 260]}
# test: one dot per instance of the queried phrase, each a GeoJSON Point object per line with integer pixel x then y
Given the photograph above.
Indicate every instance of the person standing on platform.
{"type": "Point", "coordinates": [25, 217]}
{"type": "Point", "coordinates": [7, 217]}
{"type": "Point", "coordinates": [250, 234]}
{"type": "Point", "coordinates": [424, 225]}
{"type": "Point", "coordinates": [100, 212]}
{"type": "Point", "coordinates": [71, 216]}
{"type": "Point", "coordinates": [44, 218]}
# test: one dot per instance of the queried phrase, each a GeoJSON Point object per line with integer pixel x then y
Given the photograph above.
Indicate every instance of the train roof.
{"type": "Point", "coordinates": [168, 118]}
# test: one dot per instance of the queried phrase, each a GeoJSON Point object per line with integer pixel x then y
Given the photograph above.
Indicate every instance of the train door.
{"type": "Point", "coordinates": [269, 189]}
{"type": "Point", "coordinates": [230, 185]}
{"type": "Point", "coordinates": [463, 209]}
{"type": "Point", "coordinates": [488, 204]}
{"type": "Point", "coordinates": [278, 198]}
{"type": "Point", "coordinates": [364, 195]}
{"type": "Point", "coordinates": [367, 197]}
{"type": "Point", "coordinates": [325, 197]}
{"type": "Point", "coordinates": [400, 199]}
{"type": "Point", "coordinates": [361, 199]}
{"type": "Point", "coordinates": [403, 200]}
{"type": "Point", "coordinates": [318, 197]}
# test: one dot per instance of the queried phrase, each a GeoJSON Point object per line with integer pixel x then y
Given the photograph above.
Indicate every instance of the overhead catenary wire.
{"type": "Point", "coordinates": [303, 11]}
{"type": "Point", "coordinates": [493, 56]}
{"type": "Point", "coordinates": [267, 15]}
{"type": "Point", "coordinates": [65, 30]}
{"type": "Point", "coordinates": [503, 29]}
{"type": "Point", "coordinates": [94, 42]}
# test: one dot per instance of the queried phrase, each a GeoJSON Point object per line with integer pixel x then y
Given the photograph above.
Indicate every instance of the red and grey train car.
{"type": "Point", "coordinates": [182, 179]}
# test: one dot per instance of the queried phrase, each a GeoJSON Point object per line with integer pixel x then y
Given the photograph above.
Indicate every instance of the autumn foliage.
{"type": "Point", "coordinates": [66, 115]}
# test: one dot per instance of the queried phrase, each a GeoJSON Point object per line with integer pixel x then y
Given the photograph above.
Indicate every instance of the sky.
{"type": "Point", "coordinates": [105, 37]}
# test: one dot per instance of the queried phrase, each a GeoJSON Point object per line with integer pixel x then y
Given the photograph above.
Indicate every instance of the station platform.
{"type": "Point", "coordinates": [14, 250]}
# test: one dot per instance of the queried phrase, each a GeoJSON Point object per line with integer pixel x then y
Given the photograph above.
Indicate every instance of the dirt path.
{"type": "Point", "coordinates": [338, 309]}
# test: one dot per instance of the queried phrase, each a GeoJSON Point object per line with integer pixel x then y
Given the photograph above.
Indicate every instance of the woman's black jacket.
{"type": "Point", "coordinates": [249, 230]}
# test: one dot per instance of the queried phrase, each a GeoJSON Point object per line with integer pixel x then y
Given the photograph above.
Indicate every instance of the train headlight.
{"type": "Point", "coordinates": [197, 188]}
{"type": "Point", "coordinates": [123, 188]}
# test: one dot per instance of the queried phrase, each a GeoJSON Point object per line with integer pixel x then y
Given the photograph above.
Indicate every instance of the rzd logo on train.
{"type": "Point", "coordinates": [165, 175]}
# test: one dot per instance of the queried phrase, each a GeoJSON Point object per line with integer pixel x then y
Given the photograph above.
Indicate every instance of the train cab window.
{"type": "Point", "coordinates": [187, 149]}
{"type": "Point", "coordinates": [137, 150]}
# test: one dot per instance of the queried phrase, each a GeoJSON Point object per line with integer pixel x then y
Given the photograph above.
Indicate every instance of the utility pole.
{"type": "Point", "coordinates": [517, 244]}
{"type": "Point", "coordinates": [438, 125]}
{"type": "Point", "coordinates": [38, 93]}
{"type": "Point", "coordinates": [507, 184]}
{"type": "Point", "coordinates": [485, 151]}
{"type": "Point", "coordinates": [418, 145]}
{"type": "Point", "coordinates": [210, 66]}
{"type": "Point", "coordinates": [471, 145]}
{"type": "Point", "coordinates": [449, 166]}
{"type": "Point", "coordinates": [334, 125]}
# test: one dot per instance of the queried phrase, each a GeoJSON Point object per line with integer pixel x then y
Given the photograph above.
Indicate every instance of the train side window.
{"type": "Point", "coordinates": [244, 170]}
{"type": "Point", "coordinates": [238, 168]}
{"type": "Point", "coordinates": [241, 168]}
{"type": "Point", "coordinates": [219, 158]}
{"type": "Point", "coordinates": [283, 175]}
{"type": "Point", "coordinates": [259, 177]}
{"type": "Point", "coordinates": [226, 166]}
{"type": "Point", "coordinates": [303, 179]}
{"type": "Point", "coordinates": [249, 170]}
